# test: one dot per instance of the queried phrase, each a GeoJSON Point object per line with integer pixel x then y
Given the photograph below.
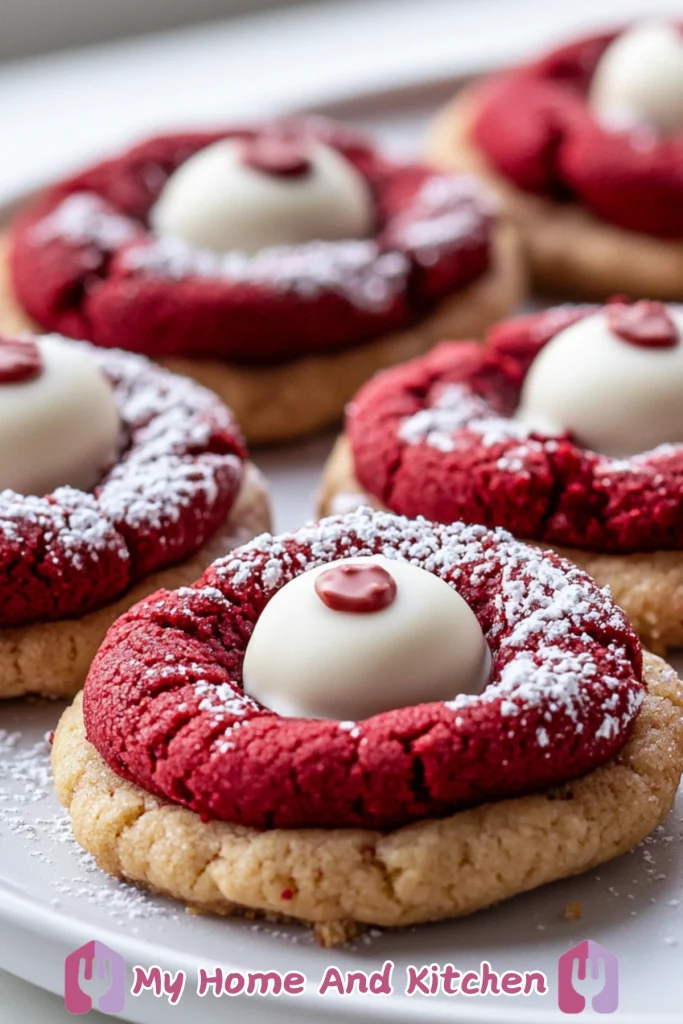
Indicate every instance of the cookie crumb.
{"type": "Point", "coordinates": [573, 911]}
{"type": "Point", "coordinates": [335, 933]}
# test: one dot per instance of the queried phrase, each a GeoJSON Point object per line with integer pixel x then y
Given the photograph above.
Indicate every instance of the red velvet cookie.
{"type": "Point", "coordinates": [585, 145]}
{"type": "Point", "coordinates": [113, 255]}
{"type": "Point", "coordinates": [556, 146]}
{"type": "Point", "coordinates": [164, 702]}
{"type": "Point", "coordinates": [443, 436]}
{"type": "Point", "coordinates": [370, 721]}
{"type": "Point", "coordinates": [436, 438]}
{"type": "Point", "coordinates": [164, 499]}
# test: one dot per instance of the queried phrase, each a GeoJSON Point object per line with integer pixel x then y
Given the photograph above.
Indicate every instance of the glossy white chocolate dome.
{"type": "Point", "coordinates": [217, 200]}
{"type": "Point", "coordinates": [613, 396]}
{"type": "Point", "coordinates": [59, 428]}
{"type": "Point", "coordinates": [307, 659]}
{"type": "Point", "coordinates": [639, 79]}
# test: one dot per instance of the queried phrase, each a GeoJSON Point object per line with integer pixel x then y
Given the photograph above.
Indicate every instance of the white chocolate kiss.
{"type": "Point", "coordinates": [59, 429]}
{"type": "Point", "coordinates": [612, 396]}
{"type": "Point", "coordinates": [304, 659]}
{"type": "Point", "coordinates": [639, 79]}
{"type": "Point", "coordinates": [214, 201]}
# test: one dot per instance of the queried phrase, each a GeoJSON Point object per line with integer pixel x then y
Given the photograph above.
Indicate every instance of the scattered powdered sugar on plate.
{"type": "Point", "coordinates": [28, 812]}
{"type": "Point", "coordinates": [124, 903]}
{"type": "Point", "coordinates": [68, 518]}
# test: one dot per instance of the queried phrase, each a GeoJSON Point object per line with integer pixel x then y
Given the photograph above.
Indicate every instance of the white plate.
{"type": "Point", "coordinates": [53, 899]}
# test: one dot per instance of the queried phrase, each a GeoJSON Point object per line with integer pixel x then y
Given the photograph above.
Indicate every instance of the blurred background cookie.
{"type": "Point", "coordinates": [584, 146]}
{"type": "Point", "coordinates": [280, 265]}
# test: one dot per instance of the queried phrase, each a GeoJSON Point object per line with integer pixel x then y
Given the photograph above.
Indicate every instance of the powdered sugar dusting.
{"type": "Point", "coordinates": [454, 408]}
{"type": "Point", "coordinates": [29, 770]}
{"type": "Point", "coordinates": [348, 501]}
{"type": "Point", "coordinates": [553, 680]}
{"type": "Point", "coordinates": [84, 218]}
{"type": "Point", "coordinates": [352, 728]}
{"type": "Point", "coordinates": [28, 812]}
{"type": "Point", "coordinates": [167, 415]}
{"type": "Point", "coordinates": [222, 701]}
{"type": "Point", "coordinates": [70, 522]}
{"type": "Point", "coordinates": [457, 408]}
{"type": "Point", "coordinates": [541, 607]}
{"type": "Point", "coordinates": [357, 270]}
{"type": "Point", "coordinates": [449, 212]}
{"type": "Point", "coordinates": [565, 684]}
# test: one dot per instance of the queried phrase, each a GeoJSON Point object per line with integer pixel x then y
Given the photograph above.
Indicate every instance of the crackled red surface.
{"type": "Point", "coordinates": [83, 261]}
{"type": "Point", "coordinates": [435, 437]}
{"type": "Point", "coordinates": [535, 127]}
{"type": "Point", "coordinates": [179, 471]}
{"type": "Point", "coordinates": [164, 703]}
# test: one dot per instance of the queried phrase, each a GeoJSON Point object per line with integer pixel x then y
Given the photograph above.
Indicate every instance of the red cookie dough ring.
{"type": "Point", "coordinates": [180, 468]}
{"type": "Point", "coordinates": [601, 210]}
{"type": "Point", "coordinates": [163, 703]}
{"type": "Point", "coordinates": [83, 262]}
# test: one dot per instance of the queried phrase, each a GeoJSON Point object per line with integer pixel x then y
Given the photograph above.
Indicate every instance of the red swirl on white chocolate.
{"type": "Point", "coordinates": [20, 360]}
{"type": "Point", "coordinates": [277, 155]}
{"type": "Point", "coordinates": [647, 324]}
{"type": "Point", "coordinates": [356, 588]}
